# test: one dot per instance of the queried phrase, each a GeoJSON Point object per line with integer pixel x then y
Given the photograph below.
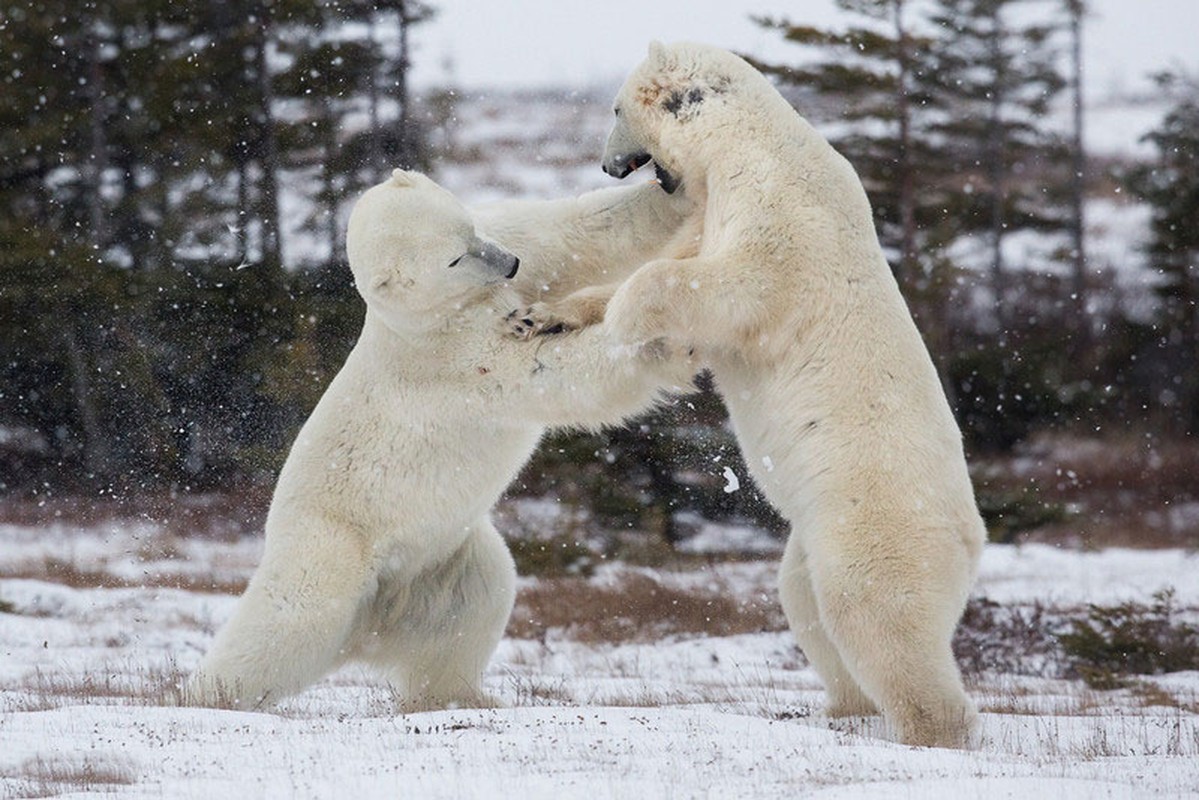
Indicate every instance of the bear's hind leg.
{"type": "Point", "coordinates": [288, 630]}
{"type": "Point", "coordinates": [845, 697]}
{"type": "Point", "coordinates": [892, 623]}
{"type": "Point", "coordinates": [451, 623]}
{"type": "Point", "coordinates": [921, 691]}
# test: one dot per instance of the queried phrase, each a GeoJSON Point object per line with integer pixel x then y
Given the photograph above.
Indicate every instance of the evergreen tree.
{"type": "Point", "coordinates": [143, 146]}
{"type": "Point", "coordinates": [996, 70]}
{"type": "Point", "coordinates": [940, 108]}
{"type": "Point", "coordinates": [873, 70]}
{"type": "Point", "coordinates": [1170, 184]}
{"type": "Point", "coordinates": [995, 76]}
{"type": "Point", "coordinates": [875, 74]}
{"type": "Point", "coordinates": [73, 363]}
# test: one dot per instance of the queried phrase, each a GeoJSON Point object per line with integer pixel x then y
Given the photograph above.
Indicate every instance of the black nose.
{"type": "Point", "coordinates": [515, 267]}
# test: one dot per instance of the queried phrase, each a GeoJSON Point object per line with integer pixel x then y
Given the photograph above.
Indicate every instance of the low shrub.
{"type": "Point", "coordinates": [997, 637]}
{"type": "Point", "coordinates": [1113, 642]}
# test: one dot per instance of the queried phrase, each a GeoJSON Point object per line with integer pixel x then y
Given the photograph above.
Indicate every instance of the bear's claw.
{"type": "Point", "coordinates": [525, 323]}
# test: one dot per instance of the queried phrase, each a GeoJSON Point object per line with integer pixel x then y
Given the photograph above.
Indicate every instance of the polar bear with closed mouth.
{"type": "Point", "coordinates": [379, 546]}
{"type": "Point", "coordinates": [832, 394]}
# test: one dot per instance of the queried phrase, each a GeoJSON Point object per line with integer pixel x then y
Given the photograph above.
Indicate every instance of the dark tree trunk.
{"type": "Point", "coordinates": [97, 158]}
{"type": "Point", "coordinates": [376, 156]}
{"type": "Point", "coordinates": [242, 252]}
{"type": "Point", "coordinates": [1082, 324]}
{"type": "Point", "coordinates": [409, 141]}
{"type": "Point", "coordinates": [272, 244]}
{"type": "Point", "coordinates": [908, 269]}
{"type": "Point", "coordinates": [994, 166]}
{"type": "Point", "coordinates": [330, 190]}
{"type": "Point", "coordinates": [95, 444]}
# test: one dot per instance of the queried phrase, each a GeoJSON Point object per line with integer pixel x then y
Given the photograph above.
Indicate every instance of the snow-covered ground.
{"type": "Point", "coordinates": [99, 623]}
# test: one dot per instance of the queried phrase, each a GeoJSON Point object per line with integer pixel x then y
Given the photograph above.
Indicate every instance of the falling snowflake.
{"type": "Point", "coordinates": [732, 484]}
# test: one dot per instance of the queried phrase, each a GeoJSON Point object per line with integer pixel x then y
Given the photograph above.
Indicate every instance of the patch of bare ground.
{"type": "Point", "coordinates": [636, 607]}
{"type": "Point", "coordinates": [66, 573]}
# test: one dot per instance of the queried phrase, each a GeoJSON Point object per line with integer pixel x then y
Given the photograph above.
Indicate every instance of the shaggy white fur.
{"type": "Point", "coordinates": [379, 546]}
{"type": "Point", "coordinates": [833, 396]}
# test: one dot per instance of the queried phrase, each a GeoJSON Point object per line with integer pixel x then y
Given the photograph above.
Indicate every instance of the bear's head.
{"type": "Point", "coordinates": [415, 254]}
{"type": "Point", "coordinates": [661, 103]}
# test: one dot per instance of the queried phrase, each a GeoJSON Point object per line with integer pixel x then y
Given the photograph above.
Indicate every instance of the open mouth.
{"type": "Point", "coordinates": [635, 163]}
{"type": "Point", "coordinates": [627, 165]}
{"type": "Point", "coordinates": [631, 164]}
{"type": "Point", "coordinates": [668, 182]}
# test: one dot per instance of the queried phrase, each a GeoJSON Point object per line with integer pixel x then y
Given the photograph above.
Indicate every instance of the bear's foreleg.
{"type": "Point", "coordinates": [598, 238]}
{"type": "Point", "coordinates": [694, 301]}
{"type": "Point", "coordinates": [584, 378]}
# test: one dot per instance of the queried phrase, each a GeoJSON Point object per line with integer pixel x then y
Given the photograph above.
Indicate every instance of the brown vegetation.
{"type": "Point", "coordinates": [636, 607]}
{"type": "Point", "coordinates": [66, 573]}
{"type": "Point", "coordinates": [48, 777]}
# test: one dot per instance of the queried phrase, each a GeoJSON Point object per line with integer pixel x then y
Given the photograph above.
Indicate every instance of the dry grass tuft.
{"type": "Point", "coordinates": [534, 690]}
{"type": "Point", "coordinates": [1065, 699]}
{"type": "Point", "coordinates": [635, 608]}
{"type": "Point", "coordinates": [106, 685]}
{"type": "Point", "coordinates": [1150, 695]}
{"type": "Point", "coordinates": [65, 573]}
{"type": "Point", "coordinates": [41, 777]}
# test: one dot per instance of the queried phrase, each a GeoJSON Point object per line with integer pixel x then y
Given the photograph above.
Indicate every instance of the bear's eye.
{"type": "Point", "coordinates": [454, 263]}
{"type": "Point", "coordinates": [616, 111]}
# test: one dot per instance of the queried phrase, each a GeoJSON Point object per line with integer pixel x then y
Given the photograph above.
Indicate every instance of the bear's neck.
{"type": "Point", "coordinates": [479, 315]}
{"type": "Point", "coordinates": [755, 139]}
{"type": "Point", "coordinates": [777, 154]}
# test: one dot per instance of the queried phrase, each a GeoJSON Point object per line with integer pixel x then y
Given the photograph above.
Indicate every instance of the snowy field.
{"type": "Point", "coordinates": [100, 624]}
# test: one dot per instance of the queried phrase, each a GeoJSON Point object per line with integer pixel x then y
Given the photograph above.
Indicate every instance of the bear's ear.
{"type": "Point", "coordinates": [661, 56]}
{"type": "Point", "coordinates": [401, 178]}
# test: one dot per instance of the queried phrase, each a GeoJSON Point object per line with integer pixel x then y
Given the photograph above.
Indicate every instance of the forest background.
{"type": "Point", "coordinates": [174, 296]}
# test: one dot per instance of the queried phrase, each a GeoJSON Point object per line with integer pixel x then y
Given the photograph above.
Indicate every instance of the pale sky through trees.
{"type": "Point", "coordinates": [551, 42]}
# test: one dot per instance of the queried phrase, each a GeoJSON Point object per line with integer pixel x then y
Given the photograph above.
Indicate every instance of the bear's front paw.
{"type": "Point", "coordinates": [536, 320]}
{"type": "Point", "coordinates": [645, 307]}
